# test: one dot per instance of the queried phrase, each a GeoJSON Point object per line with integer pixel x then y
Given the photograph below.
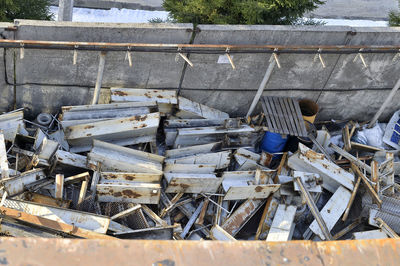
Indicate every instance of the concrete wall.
{"type": "Point", "coordinates": [47, 79]}
{"type": "Point", "coordinates": [356, 9]}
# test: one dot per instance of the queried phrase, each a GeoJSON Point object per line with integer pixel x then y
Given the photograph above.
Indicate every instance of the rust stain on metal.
{"type": "Point", "coordinates": [258, 189]}
{"type": "Point", "coordinates": [88, 127]}
{"type": "Point", "coordinates": [119, 93]}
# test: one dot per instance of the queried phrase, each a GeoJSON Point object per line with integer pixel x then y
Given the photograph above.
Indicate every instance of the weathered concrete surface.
{"type": "Point", "coordinates": [6, 90]}
{"type": "Point", "coordinates": [47, 79]}
{"type": "Point", "coordinates": [356, 9]}
{"type": "Point", "coordinates": [107, 4]}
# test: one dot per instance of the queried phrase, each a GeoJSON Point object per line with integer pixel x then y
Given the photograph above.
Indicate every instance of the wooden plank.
{"type": "Point", "coordinates": [300, 118]}
{"type": "Point", "coordinates": [59, 186]}
{"type": "Point", "coordinates": [136, 177]}
{"type": "Point", "coordinates": [192, 183]}
{"type": "Point", "coordinates": [279, 113]}
{"type": "Point", "coordinates": [370, 189]}
{"type": "Point", "coordinates": [250, 192]}
{"type": "Point", "coordinates": [42, 199]}
{"type": "Point", "coordinates": [190, 168]}
{"type": "Point", "coordinates": [143, 95]}
{"type": "Point", "coordinates": [3, 158]}
{"type": "Point", "coordinates": [282, 226]}
{"type": "Point", "coordinates": [353, 196]}
{"type": "Point", "coordinates": [268, 116]}
{"type": "Point", "coordinates": [82, 193]}
{"type": "Point", "coordinates": [275, 126]}
{"type": "Point", "coordinates": [143, 193]}
{"type": "Point", "coordinates": [332, 210]}
{"type": "Point", "coordinates": [287, 116]}
{"type": "Point", "coordinates": [271, 109]}
{"type": "Point", "coordinates": [292, 110]}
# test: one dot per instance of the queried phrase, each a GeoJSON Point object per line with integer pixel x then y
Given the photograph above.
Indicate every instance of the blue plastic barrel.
{"type": "Point", "coordinates": [273, 142]}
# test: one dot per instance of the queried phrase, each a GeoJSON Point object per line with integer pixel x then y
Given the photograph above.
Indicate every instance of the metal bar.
{"type": "Point", "coordinates": [313, 209]}
{"type": "Point", "coordinates": [44, 222]}
{"type": "Point", "coordinates": [350, 157]}
{"type": "Point", "coordinates": [347, 229]}
{"type": "Point", "coordinates": [355, 49]}
{"type": "Point", "coordinates": [370, 189]}
{"type": "Point", "coordinates": [261, 88]}
{"type": "Point", "coordinates": [192, 220]}
{"type": "Point", "coordinates": [126, 212]}
{"type": "Point", "coordinates": [385, 227]}
{"type": "Point", "coordinates": [82, 194]}
{"type": "Point", "coordinates": [59, 186]}
{"type": "Point", "coordinates": [99, 80]}
{"type": "Point", "coordinates": [353, 196]}
{"type": "Point", "coordinates": [389, 98]}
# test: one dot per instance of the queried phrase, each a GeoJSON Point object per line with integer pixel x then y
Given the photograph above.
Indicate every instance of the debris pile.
{"type": "Point", "coordinates": [155, 165]}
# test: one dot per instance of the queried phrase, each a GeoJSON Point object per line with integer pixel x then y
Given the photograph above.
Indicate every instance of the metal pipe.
{"type": "Point", "coordinates": [385, 104]}
{"type": "Point", "coordinates": [220, 48]}
{"type": "Point", "coordinates": [99, 80]}
{"type": "Point", "coordinates": [262, 87]}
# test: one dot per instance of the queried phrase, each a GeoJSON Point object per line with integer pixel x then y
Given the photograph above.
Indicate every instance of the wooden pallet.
{"type": "Point", "coordinates": [283, 116]}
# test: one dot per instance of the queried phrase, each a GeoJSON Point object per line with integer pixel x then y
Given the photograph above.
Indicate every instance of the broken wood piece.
{"type": "Point", "coordinates": [200, 219]}
{"type": "Point", "coordinates": [364, 147]}
{"type": "Point", "coordinates": [375, 175]}
{"type": "Point", "coordinates": [282, 225]}
{"type": "Point", "coordinates": [82, 194]}
{"type": "Point", "coordinates": [353, 196]}
{"type": "Point", "coordinates": [370, 189]}
{"type": "Point", "coordinates": [218, 233]}
{"type": "Point", "coordinates": [387, 178]}
{"type": "Point", "coordinates": [42, 199]}
{"type": "Point", "coordinates": [59, 186]}
{"type": "Point", "coordinates": [346, 138]}
{"type": "Point", "coordinates": [307, 160]}
{"type": "Point", "coordinates": [314, 210]}
{"type": "Point", "coordinates": [126, 212]}
{"type": "Point", "coordinates": [77, 178]}
{"type": "Point", "coordinates": [331, 212]}
{"type": "Point", "coordinates": [51, 224]}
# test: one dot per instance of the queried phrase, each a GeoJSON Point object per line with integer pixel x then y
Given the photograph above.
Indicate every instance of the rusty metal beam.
{"type": "Point", "coordinates": [23, 251]}
{"type": "Point", "coordinates": [199, 48]}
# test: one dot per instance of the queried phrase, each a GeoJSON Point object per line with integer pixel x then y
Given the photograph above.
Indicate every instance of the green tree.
{"type": "Point", "coordinates": [394, 18]}
{"type": "Point", "coordinates": [283, 12]}
{"type": "Point", "coordinates": [25, 9]}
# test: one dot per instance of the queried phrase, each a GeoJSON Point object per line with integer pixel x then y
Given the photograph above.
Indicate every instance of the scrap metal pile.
{"type": "Point", "coordinates": [155, 165]}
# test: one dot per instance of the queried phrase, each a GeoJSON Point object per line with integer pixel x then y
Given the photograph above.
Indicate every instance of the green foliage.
{"type": "Point", "coordinates": [24, 9]}
{"type": "Point", "coordinates": [394, 19]}
{"type": "Point", "coordinates": [283, 12]}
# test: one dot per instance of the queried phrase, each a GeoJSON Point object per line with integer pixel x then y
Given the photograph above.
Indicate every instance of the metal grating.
{"type": "Point", "coordinates": [283, 116]}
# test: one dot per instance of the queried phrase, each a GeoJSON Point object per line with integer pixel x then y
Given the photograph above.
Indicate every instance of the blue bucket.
{"type": "Point", "coordinates": [273, 142]}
